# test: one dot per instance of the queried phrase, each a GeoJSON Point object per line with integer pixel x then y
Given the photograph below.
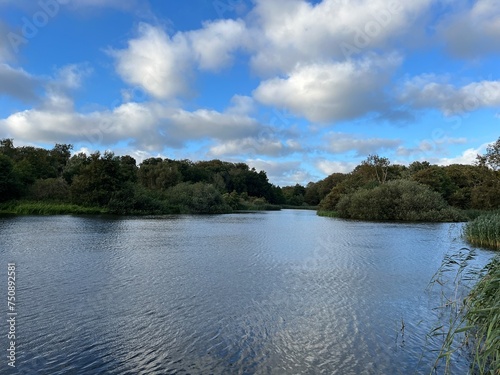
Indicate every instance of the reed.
{"type": "Point", "coordinates": [484, 231]}
{"type": "Point", "coordinates": [483, 314]}
{"type": "Point", "coordinates": [328, 213]}
{"type": "Point", "coordinates": [470, 323]}
{"type": "Point", "coordinates": [46, 208]}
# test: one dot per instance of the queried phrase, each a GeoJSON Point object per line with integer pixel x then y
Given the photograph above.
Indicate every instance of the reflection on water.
{"type": "Point", "coordinates": [268, 293]}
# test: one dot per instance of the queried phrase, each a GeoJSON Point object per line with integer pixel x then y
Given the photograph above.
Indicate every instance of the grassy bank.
{"type": "Point", "coordinates": [484, 231]}
{"type": "Point", "coordinates": [327, 213]}
{"type": "Point", "coordinates": [60, 208]}
{"type": "Point", "coordinates": [45, 208]}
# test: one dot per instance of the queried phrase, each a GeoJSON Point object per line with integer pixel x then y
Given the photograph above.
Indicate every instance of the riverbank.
{"type": "Point", "coordinates": [45, 208]}
{"type": "Point", "coordinates": [61, 208]}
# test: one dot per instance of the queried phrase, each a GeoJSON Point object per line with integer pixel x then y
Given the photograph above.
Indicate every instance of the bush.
{"type": "Point", "coordinates": [199, 198]}
{"type": "Point", "coordinates": [50, 189]}
{"type": "Point", "coordinates": [400, 200]}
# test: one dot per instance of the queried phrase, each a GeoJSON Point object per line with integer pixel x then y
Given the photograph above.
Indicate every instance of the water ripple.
{"type": "Point", "coordinates": [268, 293]}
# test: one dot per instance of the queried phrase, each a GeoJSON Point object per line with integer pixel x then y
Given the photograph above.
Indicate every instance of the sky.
{"type": "Point", "coordinates": [300, 89]}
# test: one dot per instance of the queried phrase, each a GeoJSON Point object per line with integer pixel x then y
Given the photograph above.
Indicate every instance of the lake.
{"type": "Point", "coordinates": [283, 292]}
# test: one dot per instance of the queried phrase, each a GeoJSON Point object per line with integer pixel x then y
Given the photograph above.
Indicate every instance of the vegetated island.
{"type": "Point", "coordinates": [40, 181]}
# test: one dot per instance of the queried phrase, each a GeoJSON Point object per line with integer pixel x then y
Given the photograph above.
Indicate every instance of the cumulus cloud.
{"type": "Point", "coordinates": [473, 31]}
{"type": "Point", "coordinates": [282, 173]}
{"type": "Point", "coordinates": [164, 66]}
{"type": "Point", "coordinates": [292, 32]}
{"type": "Point", "coordinates": [331, 91]}
{"type": "Point", "coordinates": [327, 167]}
{"type": "Point", "coordinates": [339, 143]}
{"type": "Point", "coordinates": [18, 83]}
{"type": "Point", "coordinates": [256, 146]}
{"type": "Point", "coordinates": [467, 157]}
{"type": "Point", "coordinates": [156, 62]}
{"type": "Point", "coordinates": [148, 126]}
{"type": "Point", "coordinates": [430, 91]}
{"type": "Point", "coordinates": [213, 46]}
{"type": "Point", "coordinates": [98, 128]}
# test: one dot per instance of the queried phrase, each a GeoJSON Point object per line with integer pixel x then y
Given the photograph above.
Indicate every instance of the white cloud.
{"type": "Point", "coordinates": [331, 91]}
{"type": "Point", "coordinates": [328, 167]}
{"type": "Point", "coordinates": [147, 126]}
{"type": "Point", "coordinates": [473, 31]}
{"type": "Point", "coordinates": [241, 105]}
{"type": "Point", "coordinates": [282, 173]}
{"type": "Point", "coordinates": [338, 143]}
{"type": "Point", "coordinates": [157, 63]}
{"type": "Point", "coordinates": [98, 128]}
{"type": "Point", "coordinates": [255, 146]}
{"type": "Point", "coordinates": [293, 32]}
{"type": "Point", "coordinates": [71, 76]}
{"type": "Point", "coordinates": [210, 124]}
{"type": "Point", "coordinates": [164, 66]}
{"type": "Point", "coordinates": [18, 83]}
{"type": "Point", "coordinates": [430, 91]}
{"type": "Point", "coordinates": [213, 46]}
{"type": "Point", "coordinates": [467, 157]}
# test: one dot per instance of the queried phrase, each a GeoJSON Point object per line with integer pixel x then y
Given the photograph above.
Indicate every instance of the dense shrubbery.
{"type": "Point", "coordinates": [397, 200]}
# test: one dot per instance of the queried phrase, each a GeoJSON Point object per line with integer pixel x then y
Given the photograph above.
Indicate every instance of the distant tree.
{"type": "Point", "coordinates": [379, 165]}
{"type": "Point", "coordinates": [492, 156]}
{"type": "Point", "coordinates": [9, 183]}
{"type": "Point", "coordinates": [7, 148]}
{"type": "Point", "coordinates": [102, 177]}
{"type": "Point", "coordinates": [59, 157]}
{"type": "Point", "coordinates": [50, 189]}
{"type": "Point", "coordinates": [417, 166]}
{"type": "Point", "coordinates": [311, 197]}
{"type": "Point", "coordinates": [437, 178]}
{"type": "Point", "coordinates": [196, 198]}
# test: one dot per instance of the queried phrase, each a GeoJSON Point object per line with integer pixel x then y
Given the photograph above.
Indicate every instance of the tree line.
{"type": "Point", "coordinates": [379, 190]}
{"type": "Point", "coordinates": [119, 185]}
{"type": "Point", "coordinates": [374, 190]}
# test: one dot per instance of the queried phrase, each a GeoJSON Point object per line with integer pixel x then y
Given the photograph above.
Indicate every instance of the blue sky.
{"type": "Point", "coordinates": [300, 89]}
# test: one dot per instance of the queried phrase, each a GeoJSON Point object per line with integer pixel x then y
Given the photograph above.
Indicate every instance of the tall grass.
{"type": "Point", "coordinates": [474, 324]}
{"type": "Point", "coordinates": [327, 213]}
{"type": "Point", "coordinates": [484, 231]}
{"type": "Point", "coordinates": [45, 208]}
{"type": "Point", "coordinates": [483, 315]}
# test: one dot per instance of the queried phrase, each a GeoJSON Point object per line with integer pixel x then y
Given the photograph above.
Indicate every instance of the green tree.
{"type": "Point", "coordinates": [9, 183]}
{"type": "Point", "coordinates": [99, 180]}
{"type": "Point", "coordinates": [50, 189]}
{"type": "Point", "coordinates": [379, 166]}
{"type": "Point", "coordinates": [492, 156]}
{"type": "Point", "coordinates": [437, 178]}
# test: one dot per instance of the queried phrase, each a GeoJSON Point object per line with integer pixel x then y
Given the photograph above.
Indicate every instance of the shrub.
{"type": "Point", "coordinates": [51, 189]}
{"type": "Point", "coordinates": [397, 200]}
{"type": "Point", "coordinates": [199, 198]}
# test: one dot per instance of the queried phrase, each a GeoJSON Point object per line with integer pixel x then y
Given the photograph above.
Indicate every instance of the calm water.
{"type": "Point", "coordinates": [267, 293]}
